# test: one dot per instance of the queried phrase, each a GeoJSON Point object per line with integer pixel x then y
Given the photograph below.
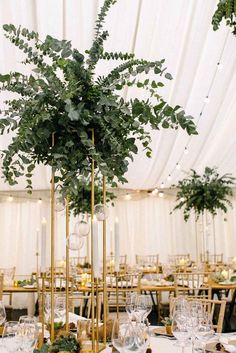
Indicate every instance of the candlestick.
{"type": "Point", "coordinates": [95, 250]}
{"type": "Point", "coordinates": [43, 245]}
{"type": "Point", "coordinates": [111, 240]}
{"type": "Point", "coordinates": [117, 246]}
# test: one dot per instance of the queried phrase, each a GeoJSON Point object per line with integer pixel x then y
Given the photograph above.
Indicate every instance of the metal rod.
{"type": "Point", "coordinates": [67, 265]}
{"type": "Point", "coordinates": [117, 296]}
{"type": "Point", "coordinates": [92, 262]}
{"type": "Point", "coordinates": [52, 246]}
{"type": "Point", "coordinates": [42, 309]}
{"type": "Point", "coordinates": [214, 233]}
{"type": "Point", "coordinates": [196, 240]}
{"type": "Point", "coordinates": [97, 313]}
{"type": "Point", "coordinates": [203, 231]}
{"type": "Point", "coordinates": [104, 266]}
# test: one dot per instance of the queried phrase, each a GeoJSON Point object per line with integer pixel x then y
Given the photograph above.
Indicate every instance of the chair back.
{"type": "Point", "coordinates": [82, 304]}
{"type": "Point", "coordinates": [110, 261]}
{"type": "Point", "coordinates": [78, 261]}
{"type": "Point", "coordinates": [9, 275]}
{"type": "Point", "coordinates": [192, 284]}
{"type": "Point", "coordinates": [118, 288]}
{"type": "Point", "coordinates": [216, 310]}
{"type": "Point", "coordinates": [211, 258]}
{"type": "Point", "coordinates": [176, 259]}
{"type": "Point", "coordinates": [147, 260]}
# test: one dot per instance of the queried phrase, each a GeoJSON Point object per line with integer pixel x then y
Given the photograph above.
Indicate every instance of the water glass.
{"type": "Point", "coordinates": [2, 313]}
{"type": "Point", "coordinates": [123, 337]}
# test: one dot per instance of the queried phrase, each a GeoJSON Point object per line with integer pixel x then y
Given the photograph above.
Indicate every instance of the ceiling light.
{"type": "Point", "coordinates": [161, 194]}
{"type": "Point", "coordinates": [178, 166]}
{"type": "Point", "coordinates": [162, 186]}
{"type": "Point", "coordinates": [219, 66]}
{"type": "Point", "coordinates": [206, 99]}
{"type": "Point", "coordinates": [10, 198]}
{"type": "Point", "coordinates": [169, 177]}
{"type": "Point", "coordinates": [40, 201]}
{"type": "Point", "coordinates": [186, 150]}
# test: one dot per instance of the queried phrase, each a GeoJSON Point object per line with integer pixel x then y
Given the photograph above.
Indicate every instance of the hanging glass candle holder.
{"type": "Point", "coordinates": [74, 241]}
{"type": "Point", "coordinates": [82, 228]}
{"type": "Point", "coordinates": [101, 212]}
{"type": "Point", "coordinates": [60, 202]}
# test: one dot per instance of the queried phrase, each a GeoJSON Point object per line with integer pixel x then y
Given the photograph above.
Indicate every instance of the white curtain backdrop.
{"type": "Point", "coordinates": [146, 227]}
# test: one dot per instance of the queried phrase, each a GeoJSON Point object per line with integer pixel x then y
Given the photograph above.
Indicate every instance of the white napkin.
{"type": "Point", "coordinates": [230, 348]}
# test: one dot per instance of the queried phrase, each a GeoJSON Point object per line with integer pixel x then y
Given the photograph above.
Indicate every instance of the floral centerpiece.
{"type": "Point", "coordinates": [210, 192]}
{"type": "Point", "coordinates": [58, 105]}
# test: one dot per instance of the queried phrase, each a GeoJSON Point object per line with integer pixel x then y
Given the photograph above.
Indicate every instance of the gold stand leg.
{"type": "Point", "coordinates": [67, 267]}
{"type": "Point", "coordinates": [104, 268]}
{"type": "Point", "coordinates": [52, 247]}
{"type": "Point", "coordinates": [117, 296]}
{"type": "Point", "coordinates": [42, 310]}
{"type": "Point", "coordinates": [92, 262]}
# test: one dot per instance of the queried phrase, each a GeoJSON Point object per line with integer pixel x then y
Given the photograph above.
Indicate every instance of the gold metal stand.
{"type": "Point", "coordinates": [92, 262]}
{"type": "Point", "coordinates": [41, 341]}
{"type": "Point", "coordinates": [52, 246]}
{"type": "Point", "coordinates": [117, 295]}
{"type": "Point", "coordinates": [104, 266]}
{"type": "Point", "coordinates": [67, 266]}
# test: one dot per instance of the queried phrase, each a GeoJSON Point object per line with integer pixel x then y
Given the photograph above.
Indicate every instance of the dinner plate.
{"type": "Point", "coordinates": [211, 347]}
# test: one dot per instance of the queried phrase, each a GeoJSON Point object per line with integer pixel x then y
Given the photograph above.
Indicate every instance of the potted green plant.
{"type": "Point", "coordinates": [62, 101]}
{"type": "Point", "coordinates": [226, 9]}
{"type": "Point", "coordinates": [208, 192]}
{"type": "Point", "coordinates": [167, 322]}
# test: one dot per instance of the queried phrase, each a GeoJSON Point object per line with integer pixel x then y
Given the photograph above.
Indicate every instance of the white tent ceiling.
{"type": "Point", "coordinates": [179, 31]}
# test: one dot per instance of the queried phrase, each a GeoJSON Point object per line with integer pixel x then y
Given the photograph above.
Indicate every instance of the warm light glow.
{"type": "Point", "coordinates": [169, 177]}
{"type": "Point", "coordinates": [185, 150]}
{"type": "Point", "coordinates": [162, 186]}
{"type": "Point", "coordinates": [161, 194]}
{"type": "Point", "coordinates": [206, 99]}
{"type": "Point", "coordinates": [44, 221]}
{"type": "Point", "coordinates": [127, 197]}
{"type": "Point", "coordinates": [40, 201]}
{"type": "Point", "coordinates": [10, 198]}
{"type": "Point", "coordinates": [178, 166]}
{"type": "Point", "coordinates": [182, 199]}
{"type": "Point", "coordinates": [116, 219]}
{"type": "Point", "coordinates": [154, 191]}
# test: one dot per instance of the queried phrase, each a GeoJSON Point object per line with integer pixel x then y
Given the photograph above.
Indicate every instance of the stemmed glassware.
{"type": "Point", "coordinates": [2, 313]}
{"type": "Point", "coordinates": [11, 339]}
{"type": "Point", "coordinates": [138, 307]}
{"type": "Point", "coordinates": [123, 335]}
{"type": "Point", "coordinates": [180, 327]}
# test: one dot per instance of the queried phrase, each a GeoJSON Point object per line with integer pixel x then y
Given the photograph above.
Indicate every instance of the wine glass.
{"type": "Point", "coordinates": [2, 313]}
{"type": "Point", "coordinates": [60, 308]}
{"type": "Point", "coordinates": [180, 328]}
{"type": "Point", "coordinates": [29, 335]}
{"type": "Point", "coordinates": [11, 336]}
{"type": "Point", "coordinates": [130, 306]}
{"type": "Point", "coordinates": [205, 330]}
{"type": "Point", "coordinates": [122, 335]}
{"type": "Point", "coordinates": [143, 307]}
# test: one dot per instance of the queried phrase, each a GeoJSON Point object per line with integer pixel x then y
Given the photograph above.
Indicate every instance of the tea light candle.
{"type": "Point", "coordinates": [182, 262]}
{"type": "Point", "coordinates": [225, 274]}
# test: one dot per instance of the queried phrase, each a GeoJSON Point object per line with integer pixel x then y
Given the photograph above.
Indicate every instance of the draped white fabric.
{"type": "Point", "coordinates": [146, 227]}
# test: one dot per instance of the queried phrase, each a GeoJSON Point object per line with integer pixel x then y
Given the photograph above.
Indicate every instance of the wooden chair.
{"type": "Point", "coordinates": [194, 284]}
{"type": "Point", "coordinates": [176, 259]}
{"type": "Point", "coordinates": [118, 290]}
{"type": "Point", "coordinates": [9, 276]}
{"type": "Point", "coordinates": [211, 259]}
{"type": "Point", "coordinates": [110, 261]}
{"type": "Point", "coordinates": [78, 261]}
{"type": "Point", "coordinates": [216, 310]}
{"type": "Point", "coordinates": [147, 260]}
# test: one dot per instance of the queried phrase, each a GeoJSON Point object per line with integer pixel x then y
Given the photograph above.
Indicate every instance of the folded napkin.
{"type": "Point", "coordinates": [229, 348]}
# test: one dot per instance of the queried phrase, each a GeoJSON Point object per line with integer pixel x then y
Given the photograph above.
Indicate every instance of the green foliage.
{"type": "Point", "coordinates": [226, 9]}
{"type": "Point", "coordinates": [61, 97]}
{"type": "Point", "coordinates": [208, 192]}
{"type": "Point", "coordinates": [78, 191]}
{"type": "Point", "coordinates": [63, 343]}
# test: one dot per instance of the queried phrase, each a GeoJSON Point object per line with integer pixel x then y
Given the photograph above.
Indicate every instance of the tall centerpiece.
{"type": "Point", "coordinates": [202, 194]}
{"type": "Point", "coordinates": [66, 116]}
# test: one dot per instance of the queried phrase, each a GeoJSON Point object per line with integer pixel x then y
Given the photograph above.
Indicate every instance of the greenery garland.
{"type": "Point", "coordinates": [63, 97]}
{"type": "Point", "coordinates": [208, 192]}
{"type": "Point", "coordinates": [226, 9]}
